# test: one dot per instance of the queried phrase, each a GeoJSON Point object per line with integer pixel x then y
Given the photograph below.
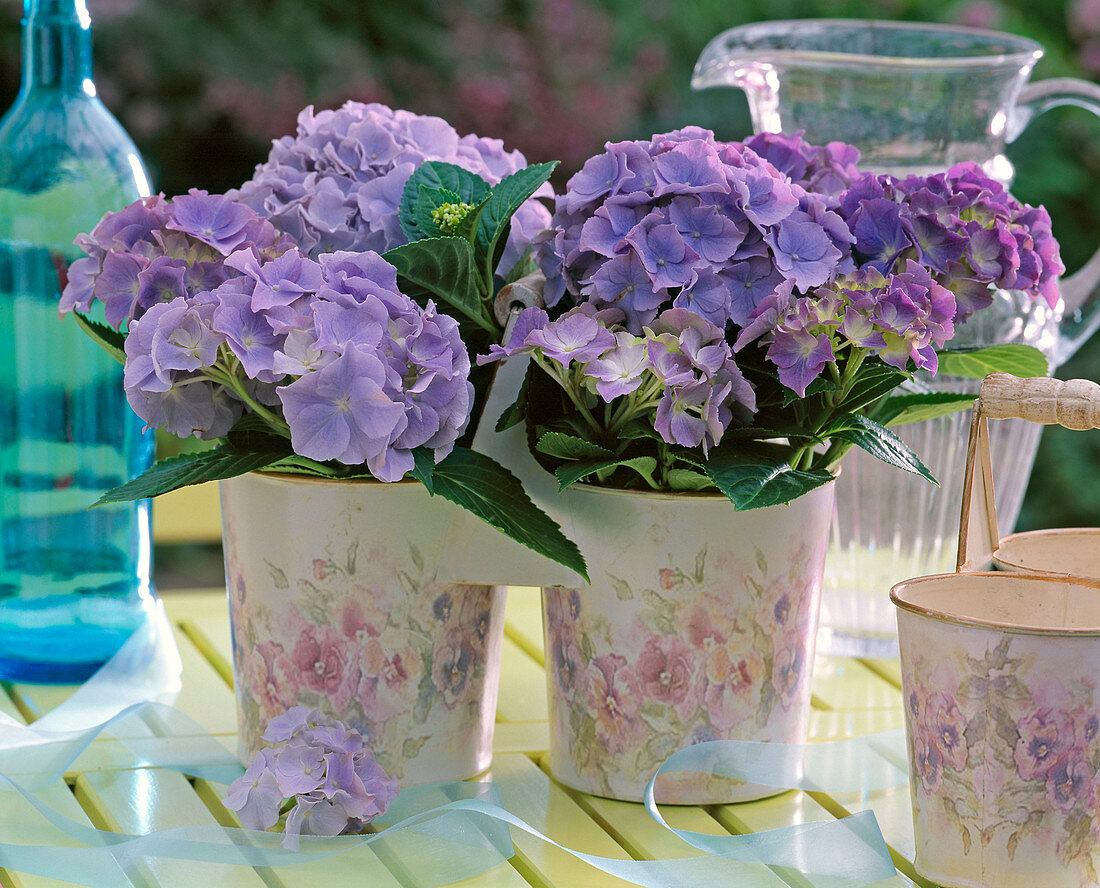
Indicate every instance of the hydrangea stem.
{"type": "Point", "coordinates": [227, 376]}
{"type": "Point", "coordinates": [564, 379]}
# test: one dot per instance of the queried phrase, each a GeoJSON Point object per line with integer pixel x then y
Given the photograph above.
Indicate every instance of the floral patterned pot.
{"type": "Point", "coordinates": [699, 625]}
{"type": "Point", "coordinates": [1001, 676]}
{"type": "Point", "coordinates": [334, 603]}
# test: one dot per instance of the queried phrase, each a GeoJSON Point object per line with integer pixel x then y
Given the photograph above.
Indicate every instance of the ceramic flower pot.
{"type": "Point", "coordinates": [335, 603]}
{"type": "Point", "coordinates": [699, 625]}
{"type": "Point", "coordinates": [1002, 714]}
{"type": "Point", "coordinates": [999, 672]}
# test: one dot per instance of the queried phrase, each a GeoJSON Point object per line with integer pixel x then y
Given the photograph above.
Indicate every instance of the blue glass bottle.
{"type": "Point", "coordinates": [74, 583]}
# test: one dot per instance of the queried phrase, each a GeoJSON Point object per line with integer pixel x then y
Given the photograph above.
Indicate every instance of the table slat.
{"type": "Point", "coordinates": [21, 824]}
{"type": "Point", "coordinates": [522, 686]}
{"type": "Point", "coordinates": [523, 620]}
{"type": "Point", "coordinates": [146, 799]}
{"type": "Point", "coordinates": [532, 796]}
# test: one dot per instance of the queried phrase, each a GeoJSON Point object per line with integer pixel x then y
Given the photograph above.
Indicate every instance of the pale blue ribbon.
{"type": "Point", "coordinates": [435, 834]}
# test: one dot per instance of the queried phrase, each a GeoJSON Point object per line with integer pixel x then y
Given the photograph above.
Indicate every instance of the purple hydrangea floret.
{"type": "Point", "coordinates": [318, 771]}
{"type": "Point", "coordinates": [336, 185]}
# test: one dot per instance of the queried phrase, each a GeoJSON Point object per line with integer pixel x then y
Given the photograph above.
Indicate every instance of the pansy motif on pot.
{"type": "Point", "coordinates": [1004, 754]}
{"type": "Point", "coordinates": [718, 648]}
{"type": "Point", "coordinates": [356, 626]}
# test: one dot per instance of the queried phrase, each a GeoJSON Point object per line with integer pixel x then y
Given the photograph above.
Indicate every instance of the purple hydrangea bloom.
{"type": "Point", "coordinates": [962, 226]}
{"type": "Point", "coordinates": [619, 370]}
{"type": "Point", "coordinates": [688, 221]}
{"type": "Point", "coordinates": [827, 170]}
{"type": "Point", "coordinates": [575, 336]}
{"type": "Point", "coordinates": [323, 767]}
{"type": "Point", "coordinates": [156, 250]}
{"type": "Point", "coordinates": [213, 219]}
{"type": "Point", "coordinates": [336, 185]}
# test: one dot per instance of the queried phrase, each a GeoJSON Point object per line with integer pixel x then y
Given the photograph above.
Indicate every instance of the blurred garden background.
{"type": "Point", "coordinates": [203, 86]}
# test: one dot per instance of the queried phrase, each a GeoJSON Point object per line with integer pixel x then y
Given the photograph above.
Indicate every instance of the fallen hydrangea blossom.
{"type": "Point", "coordinates": [318, 773]}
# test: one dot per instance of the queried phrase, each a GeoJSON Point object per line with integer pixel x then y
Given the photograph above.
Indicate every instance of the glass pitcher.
{"type": "Point", "coordinates": [914, 98]}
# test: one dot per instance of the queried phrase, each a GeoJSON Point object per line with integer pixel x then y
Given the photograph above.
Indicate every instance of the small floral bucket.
{"type": "Point", "coordinates": [699, 625]}
{"type": "Point", "coordinates": [1000, 676]}
{"type": "Point", "coordinates": [334, 603]}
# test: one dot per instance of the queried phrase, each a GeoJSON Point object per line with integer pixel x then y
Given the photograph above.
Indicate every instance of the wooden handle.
{"type": "Point", "coordinates": [1074, 403]}
{"type": "Point", "coordinates": [523, 293]}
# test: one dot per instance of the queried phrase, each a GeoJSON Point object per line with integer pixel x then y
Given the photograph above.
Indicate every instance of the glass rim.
{"type": "Point", "coordinates": [1018, 50]}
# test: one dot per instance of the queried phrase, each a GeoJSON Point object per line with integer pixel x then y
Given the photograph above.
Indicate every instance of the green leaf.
{"type": "Point", "coordinates": [111, 340]}
{"type": "Point", "coordinates": [753, 480]}
{"type": "Point", "coordinates": [878, 441]}
{"type": "Point", "coordinates": [441, 268]}
{"type": "Point", "coordinates": [492, 493]}
{"type": "Point", "coordinates": [507, 196]}
{"type": "Point", "coordinates": [423, 469]}
{"type": "Point", "coordinates": [873, 381]}
{"type": "Point", "coordinates": [301, 465]}
{"type": "Point", "coordinates": [467, 228]}
{"type": "Point", "coordinates": [686, 479]}
{"type": "Point", "coordinates": [517, 411]}
{"type": "Point", "coordinates": [1019, 360]}
{"type": "Point", "coordinates": [427, 200]}
{"type": "Point", "coordinates": [524, 266]}
{"type": "Point", "coordinates": [189, 468]}
{"type": "Point", "coordinates": [902, 409]}
{"type": "Point", "coordinates": [467, 186]}
{"type": "Point", "coordinates": [572, 472]}
{"type": "Point", "coordinates": [252, 433]}
{"type": "Point", "coordinates": [570, 447]}
{"type": "Point", "coordinates": [819, 386]}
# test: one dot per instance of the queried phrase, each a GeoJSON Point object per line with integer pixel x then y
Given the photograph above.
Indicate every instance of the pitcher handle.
{"type": "Point", "coordinates": [1073, 404]}
{"type": "Point", "coordinates": [1081, 290]}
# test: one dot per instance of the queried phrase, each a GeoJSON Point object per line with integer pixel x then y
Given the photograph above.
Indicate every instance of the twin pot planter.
{"type": "Point", "coordinates": [384, 607]}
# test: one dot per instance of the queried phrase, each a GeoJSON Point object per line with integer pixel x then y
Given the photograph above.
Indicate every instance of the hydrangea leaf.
{"type": "Point", "coordinates": [496, 218]}
{"type": "Point", "coordinates": [873, 382]}
{"type": "Point", "coordinates": [468, 227]}
{"type": "Point", "coordinates": [429, 199]}
{"type": "Point", "coordinates": [686, 479]}
{"type": "Point", "coordinates": [435, 174]}
{"type": "Point", "coordinates": [878, 441]}
{"type": "Point", "coordinates": [819, 386]}
{"type": "Point", "coordinates": [572, 472]}
{"type": "Point", "coordinates": [190, 468]}
{"type": "Point", "coordinates": [424, 467]}
{"type": "Point", "coordinates": [111, 340]}
{"type": "Point", "coordinates": [1019, 360]}
{"type": "Point", "coordinates": [756, 479]}
{"type": "Point", "coordinates": [516, 412]}
{"type": "Point", "coordinates": [902, 409]}
{"type": "Point", "coordinates": [492, 493]}
{"type": "Point", "coordinates": [441, 268]}
{"type": "Point", "coordinates": [571, 447]}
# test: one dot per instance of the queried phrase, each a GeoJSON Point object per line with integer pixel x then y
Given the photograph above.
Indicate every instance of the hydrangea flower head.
{"type": "Point", "coordinates": [962, 226]}
{"type": "Point", "coordinates": [315, 770]}
{"type": "Point", "coordinates": [685, 221]}
{"type": "Point", "coordinates": [337, 183]}
{"type": "Point", "coordinates": [328, 350]}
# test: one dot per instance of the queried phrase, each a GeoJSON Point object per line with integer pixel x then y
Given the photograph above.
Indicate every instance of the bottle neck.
{"type": "Point", "coordinates": [57, 46]}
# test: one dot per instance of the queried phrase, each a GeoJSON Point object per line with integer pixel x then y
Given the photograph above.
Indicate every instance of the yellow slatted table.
{"type": "Point", "coordinates": [851, 697]}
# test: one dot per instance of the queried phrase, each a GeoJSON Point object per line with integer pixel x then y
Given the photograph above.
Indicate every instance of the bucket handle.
{"type": "Point", "coordinates": [1073, 404]}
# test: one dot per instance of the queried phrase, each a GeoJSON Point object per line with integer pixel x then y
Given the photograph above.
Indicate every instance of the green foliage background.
{"type": "Point", "coordinates": [204, 85]}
